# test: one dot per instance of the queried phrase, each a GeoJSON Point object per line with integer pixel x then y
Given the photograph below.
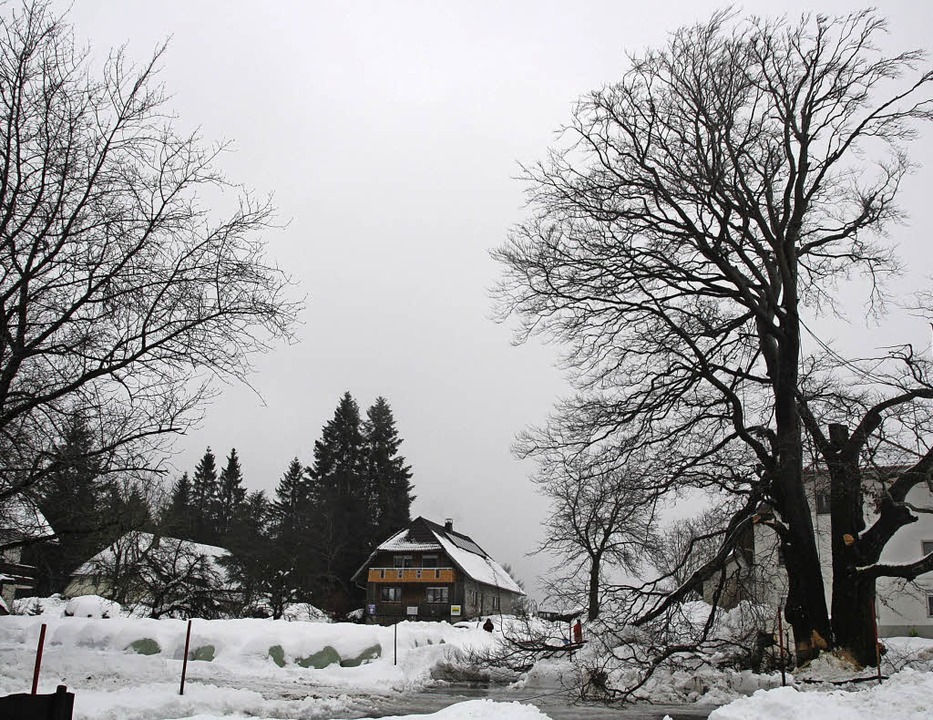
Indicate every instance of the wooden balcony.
{"type": "Point", "coordinates": [411, 575]}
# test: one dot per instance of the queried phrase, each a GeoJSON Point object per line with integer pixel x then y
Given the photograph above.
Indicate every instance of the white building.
{"type": "Point", "coordinates": [902, 608]}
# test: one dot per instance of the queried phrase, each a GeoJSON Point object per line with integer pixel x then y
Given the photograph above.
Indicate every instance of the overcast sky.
{"type": "Point", "coordinates": [389, 133]}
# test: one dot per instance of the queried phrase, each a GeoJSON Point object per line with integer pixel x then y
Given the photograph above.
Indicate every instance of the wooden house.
{"type": "Point", "coordinates": [21, 522]}
{"type": "Point", "coordinates": [431, 572]}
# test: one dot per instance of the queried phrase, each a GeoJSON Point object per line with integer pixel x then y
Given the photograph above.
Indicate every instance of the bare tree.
{"type": "Point", "coordinates": [600, 517]}
{"type": "Point", "coordinates": [166, 576]}
{"type": "Point", "coordinates": [695, 213]}
{"type": "Point", "coordinates": [121, 294]}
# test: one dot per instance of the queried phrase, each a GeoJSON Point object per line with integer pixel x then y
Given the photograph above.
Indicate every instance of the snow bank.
{"type": "Point", "coordinates": [480, 710]}
{"type": "Point", "coordinates": [130, 668]}
{"type": "Point", "coordinates": [905, 696]}
{"type": "Point", "coordinates": [92, 606]}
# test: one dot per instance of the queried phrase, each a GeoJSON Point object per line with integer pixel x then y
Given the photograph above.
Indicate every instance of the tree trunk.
{"type": "Point", "coordinates": [593, 611]}
{"type": "Point", "coordinates": [853, 600]}
{"type": "Point", "coordinates": [805, 607]}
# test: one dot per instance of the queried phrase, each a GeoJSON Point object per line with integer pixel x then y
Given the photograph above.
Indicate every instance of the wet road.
{"type": "Point", "coordinates": [554, 704]}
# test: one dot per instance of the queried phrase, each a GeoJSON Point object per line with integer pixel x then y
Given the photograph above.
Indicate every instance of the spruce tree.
{"type": "Point", "coordinates": [73, 499]}
{"type": "Point", "coordinates": [249, 541]}
{"type": "Point", "coordinates": [388, 478]}
{"type": "Point", "coordinates": [292, 564]}
{"type": "Point", "coordinates": [177, 519]}
{"type": "Point", "coordinates": [231, 494]}
{"type": "Point", "coordinates": [341, 504]}
{"type": "Point", "coordinates": [204, 494]}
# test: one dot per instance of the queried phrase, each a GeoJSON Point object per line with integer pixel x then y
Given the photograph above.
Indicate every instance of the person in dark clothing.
{"type": "Point", "coordinates": [487, 626]}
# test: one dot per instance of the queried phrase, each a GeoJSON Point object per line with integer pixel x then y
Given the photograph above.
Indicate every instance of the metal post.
{"type": "Point", "coordinates": [874, 624]}
{"type": "Point", "coordinates": [35, 672]}
{"type": "Point", "coordinates": [184, 664]}
{"type": "Point", "coordinates": [395, 644]}
{"type": "Point", "coordinates": [781, 645]}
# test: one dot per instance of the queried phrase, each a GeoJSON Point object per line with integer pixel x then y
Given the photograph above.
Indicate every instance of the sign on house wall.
{"type": "Point", "coordinates": [455, 610]}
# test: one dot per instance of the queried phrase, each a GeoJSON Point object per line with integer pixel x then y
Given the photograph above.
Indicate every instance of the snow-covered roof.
{"type": "Point", "coordinates": [20, 519]}
{"type": "Point", "coordinates": [480, 567]}
{"type": "Point", "coordinates": [136, 542]}
{"type": "Point", "coordinates": [422, 535]}
{"type": "Point", "coordinates": [400, 542]}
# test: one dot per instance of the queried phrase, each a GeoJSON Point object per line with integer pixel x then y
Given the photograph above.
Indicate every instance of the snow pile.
{"type": "Point", "coordinates": [53, 605]}
{"type": "Point", "coordinates": [480, 710]}
{"type": "Point", "coordinates": [92, 606]}
{"type": "Point", "coordinates": [130, 668]}
{"type": "Point", "coordinates": [304, 612]}
{"type": "Point", "coordinates": [905, 696]}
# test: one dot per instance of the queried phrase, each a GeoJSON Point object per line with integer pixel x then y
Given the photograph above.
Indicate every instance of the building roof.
{"type": "Point", "coordinates": [134, 543]}
{"type": "Point", "coordinates": [21, 520]}
{"type": "Point", "coordinates": [422, 535]}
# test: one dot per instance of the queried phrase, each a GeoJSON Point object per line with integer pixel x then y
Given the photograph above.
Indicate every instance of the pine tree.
{"type": "Point", "coordinates": [73, 500]}
{"type": "Point", "coordinates": [292, 564]}
{"type": "Point", "coordinates": [388, 478]}
{"type": "Point", "coordinates": [177, 519]}
{"type": "Point", "coordinates": [204, 495]}
{"type": "Point", "coordinates": [250, 562]}
{"type": "Point", "coordinates": [341, 504]}
{"type": "Point", "coordinates": [231, 494]}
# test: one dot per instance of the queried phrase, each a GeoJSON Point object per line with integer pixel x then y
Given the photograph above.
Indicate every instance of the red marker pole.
{"type": "Point", "coordinates": [184, 665]}
{"type": "Point", "coordinates": [781, 645]}
{"type": "Point", "coordinates": [35, 673]}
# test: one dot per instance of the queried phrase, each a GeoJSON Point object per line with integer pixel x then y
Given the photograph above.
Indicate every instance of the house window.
{"type": "Point", "coordinates": [495, 603]}
{"type": "Point", "coordinates": [390, 594]}
{"type": "Point", "coordinates": [472, 598]}
{"type": "Point", "coordinates": [822, 503]}
{"type": "Point", "coordinates": [437, 595]}
{"type": "Point", "coordinates": [926, 547]}
{"type": "Point", "coordinates": [403, 561]}
{"type": "Point", "coordinates": [429, 561]}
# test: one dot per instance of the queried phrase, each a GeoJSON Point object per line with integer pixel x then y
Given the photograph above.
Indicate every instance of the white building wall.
{"type": "Point", "coordinates": [902, 608]}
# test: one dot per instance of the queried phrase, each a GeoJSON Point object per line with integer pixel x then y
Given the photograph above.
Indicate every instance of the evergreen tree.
{"type": "Point", "coordinates": [177, 519]}
{"type": "Point", "coordinates": [231, 494]}
{"type": "Point", "coordinates": [342, 519]}
{"type": "Point", "coordinates": [292, 564]}
{"type": "Point", "coordinates": [204, 498]}
{"type": "Point", "coordinates": [388, 478]}
{"type": "Point", "coordinates": [251, 560]}
{"type": "Point", "coordinates": [86, 506]}
{"type": "Point", "coordinates": [73, 499]}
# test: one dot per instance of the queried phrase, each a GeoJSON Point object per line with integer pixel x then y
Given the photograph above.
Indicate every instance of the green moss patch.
{"type": "Point", "coordinates": [205, 652]}
{"type": "Point", "coordinates": [278, 655]}
{"type": "Point", "coordinates": [368, 655]}
{"type": "Point", "coordinates": [145, 646]}
{"type": "Point", "coordinates": [321, 659]}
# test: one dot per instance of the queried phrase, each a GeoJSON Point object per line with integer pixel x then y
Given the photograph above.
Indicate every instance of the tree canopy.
{"type": "Point", "coordinates": [125, 288]}
{"type": "Point", "coordinates": [693, 217]}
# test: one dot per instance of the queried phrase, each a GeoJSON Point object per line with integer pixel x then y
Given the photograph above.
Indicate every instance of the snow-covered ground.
{"type": "Point", "coordinates": [130, 668]}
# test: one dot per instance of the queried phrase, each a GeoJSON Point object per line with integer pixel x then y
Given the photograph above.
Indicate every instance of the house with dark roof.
{"type": "Point", "coordinates": [431, 572]}
{"type": "Point", "coordinates": [21, 522]}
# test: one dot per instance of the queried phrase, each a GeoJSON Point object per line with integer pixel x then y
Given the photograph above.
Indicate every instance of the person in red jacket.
{"type": "Point", "coordinates": [578, 633]}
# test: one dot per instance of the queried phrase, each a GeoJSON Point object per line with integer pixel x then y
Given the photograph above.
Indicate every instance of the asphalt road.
{"type": "Point", "coordinates": [556, 705]}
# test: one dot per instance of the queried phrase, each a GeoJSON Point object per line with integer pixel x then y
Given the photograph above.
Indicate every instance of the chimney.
{"type": "Point", "coordinates": [449, 524]}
